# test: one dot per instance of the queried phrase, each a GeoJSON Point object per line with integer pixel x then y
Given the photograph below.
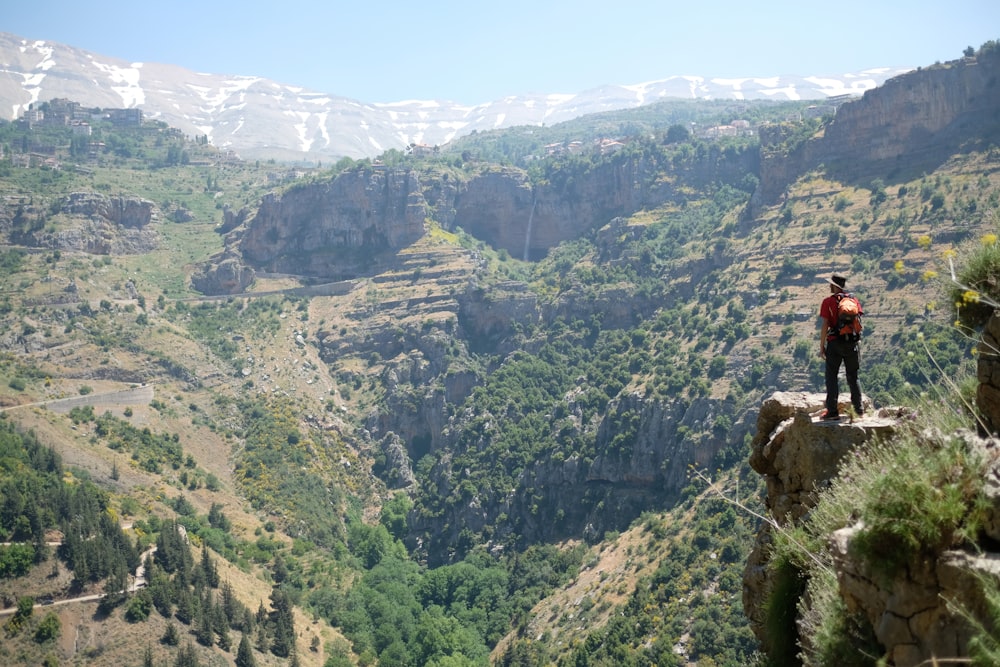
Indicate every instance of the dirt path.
{"type": "Point", "coordinates": [141, 395]}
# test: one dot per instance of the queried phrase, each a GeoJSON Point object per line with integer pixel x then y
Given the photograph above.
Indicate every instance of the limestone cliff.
{"type": "Point", "coordinates": [86, 222]}
{"type": "Point", "coordinates": [644, 449]}
{"type": "Point", "coordinates": [354, 222]}
{"type": "Point", "coordinates": [336, 228]}
{"type": "Point", "coordinates": [911, 613]}
{"type": "Point", "coordinates": [910, 124]}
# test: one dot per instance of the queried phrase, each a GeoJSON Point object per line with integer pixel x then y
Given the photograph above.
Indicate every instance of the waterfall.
{"type": "Point", "coordinates": [527, 236]}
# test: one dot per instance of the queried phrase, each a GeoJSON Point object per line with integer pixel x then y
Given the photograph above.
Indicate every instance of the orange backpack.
{"type": "Point", "coordinates": [849, 316]}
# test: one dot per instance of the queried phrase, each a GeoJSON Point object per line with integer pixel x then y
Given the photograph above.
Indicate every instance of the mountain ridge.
{"type": "Point", "coordinates": [262, 119]}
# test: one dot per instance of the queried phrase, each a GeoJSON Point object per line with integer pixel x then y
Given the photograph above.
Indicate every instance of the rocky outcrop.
{"type": "Point", "coordinates": [644, 448]}
{"type": "Point", "coordinates": [132, 212]}
{"type": "Point", "coordinates": [338, 228]}
{"type": "Point", "coordinates": [988, 374]}
{"type": "Point", "coordinates": [659, 451]}
{"type": "Point", "coordinates": [225, 274]}
{"type": "Point", "coordinates": [233, 219]}
{"type": "Point", "coordinates": [93, 223]}
{"type": "Point", "coordinates": [912, 611]}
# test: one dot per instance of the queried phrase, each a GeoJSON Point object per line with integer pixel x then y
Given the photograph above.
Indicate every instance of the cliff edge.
{"type": "Point", "coordinates": [909, 612]}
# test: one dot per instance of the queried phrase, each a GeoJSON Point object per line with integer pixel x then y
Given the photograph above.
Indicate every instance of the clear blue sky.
{"type": "Point", "coordinates": [471, 52]}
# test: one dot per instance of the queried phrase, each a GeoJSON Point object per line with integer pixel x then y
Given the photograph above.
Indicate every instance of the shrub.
{"type": "Point", "coordinates": [48, 629]}
{"type": "Point", "coordinates": [918, 502]}
{"type": "Point", "coordinates": [138, 607]}
{"type": "Point", "coordinates": [978, 291]}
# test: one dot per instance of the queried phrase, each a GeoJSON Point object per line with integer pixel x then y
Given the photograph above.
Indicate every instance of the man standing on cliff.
{"type": "Point", "coordinates": [838, 349]}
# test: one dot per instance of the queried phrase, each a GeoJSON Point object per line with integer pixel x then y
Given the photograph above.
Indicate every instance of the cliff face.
{"type": "Point", "coordinates": [335, 228]}
{"type": "Point", "coordinates": [87, 222]}
{"type": "Point", "coordinates": [503, 208]}
{"type": "Point", "coordinates": [910, 124]}
{"type": "Point", "coordinates": [354, 222]}
{"type": "Point", "coordinates": [559, 498]}
{"type": "Point", "coordinates": [911, 612]}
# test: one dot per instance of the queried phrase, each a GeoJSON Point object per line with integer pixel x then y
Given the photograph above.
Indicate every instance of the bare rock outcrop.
{"type": "Point", "coordinates": [97, 224]}
{"type": "Point", "coordinates": [336, 228]}
{"type": "Point", "coordinates": [988, 375]}
{"type": "Point", "coordinates": [911, 611]}
{"type": "Point", "coordinates": [133, 212]}
{"type": "Point", "coordinates": [225, 274]}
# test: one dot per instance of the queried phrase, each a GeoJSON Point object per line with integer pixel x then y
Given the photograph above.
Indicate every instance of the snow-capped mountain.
{"type": "Point", "coordinates": [259, 118]}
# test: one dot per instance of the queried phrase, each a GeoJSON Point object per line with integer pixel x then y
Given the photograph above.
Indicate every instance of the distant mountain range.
{"type": "Point", "coordinates": [259, 118]}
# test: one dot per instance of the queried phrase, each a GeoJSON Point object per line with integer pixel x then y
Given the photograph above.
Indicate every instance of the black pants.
{"type": "Point", "coordinates": [840, 351]}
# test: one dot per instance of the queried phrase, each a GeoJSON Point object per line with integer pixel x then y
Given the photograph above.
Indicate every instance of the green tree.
{"type": "Point", "coordinates": [170, 636]}
{"type": "Point", "coordinates": [187, 656]}
{"type": "Point", "coordinates": [48, 629]}
{"type": "Point", "coordinates": [677, 133]}
{"type": "Point", "coordinates": [283, 624]}
{"type": "Point", "coordinates": [244, 653]}
{"type": "Point", "coordinates": [139, 606]}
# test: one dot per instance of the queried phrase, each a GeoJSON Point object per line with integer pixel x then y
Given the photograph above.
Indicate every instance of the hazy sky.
{"type": "Point", "coordinates": [472, 52]}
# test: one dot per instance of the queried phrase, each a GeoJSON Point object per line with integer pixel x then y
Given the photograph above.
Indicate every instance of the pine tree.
{"type": "Point", "coordinates": [187, 656]}
{"type": "Point", "coordinates": [186, 608]}
{"type": "Point", "coordinates": [170, 636]}
{"type": "Point", "coordinates": [283, 623]}
{"type": "Point", "coordinates": [221, 626]}
{"type": "Point", "coordinates": [230, 605]}
{"type": "Point", "coordinates": [208, 569]}
{"type": "Point", "coordinates": [147, 657]}
{"type": "Point", "coordinates": [204, 632]}
{"type": "Point", "coordinates": [261, 638]}
{"type": "Point", "coordinates": [244, 654]}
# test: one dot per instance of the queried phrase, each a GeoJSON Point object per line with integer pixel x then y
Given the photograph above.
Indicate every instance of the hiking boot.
{"type": "Point", "coordinates": [828, 416]}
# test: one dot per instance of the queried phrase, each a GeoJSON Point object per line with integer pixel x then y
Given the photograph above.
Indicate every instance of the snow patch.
{"type": "Point", "coordinates": [125, 82]}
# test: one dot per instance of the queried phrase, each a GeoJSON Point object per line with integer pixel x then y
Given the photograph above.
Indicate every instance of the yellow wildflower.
{"type": "Point", "coordinates": [970, 296]}
{"type": "Point", "coordinates": [898, 266]}
{"type": "Point", "coordinates": [929, 275]}
{"type": "Point", "coordinates": [924, 241]}
{"type": "Point", "coordinates": [989, 239]}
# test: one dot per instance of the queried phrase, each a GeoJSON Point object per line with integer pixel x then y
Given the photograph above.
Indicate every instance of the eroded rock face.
{"type": "Point", "coordinates": [911, 122]}
{"type": "Point", "coordinates": [226, 274]}
{"type": "Point", "coordinates": [125, 211]}
{"type": "Point", "coordinates": [100, 225]}
{"type": "Point", "coordinates": [336, 228]}
{"type": "Point", "coordinates": [988, 374]}
{"type": "Point", "coordinates": [912, 612]}
{"type": "Point", "coordinates": [798, 455]}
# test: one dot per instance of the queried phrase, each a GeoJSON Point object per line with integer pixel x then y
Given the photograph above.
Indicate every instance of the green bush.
{"type": "Point", "coordinates": [48, 629]}
{"type": "Point", "coordinates": [975, 297]}
{"type": "Point", "coordinates": [921, 498]}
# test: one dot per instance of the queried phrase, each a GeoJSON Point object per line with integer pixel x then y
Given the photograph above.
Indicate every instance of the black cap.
{"type": "Point", "coordinates": [838, 280]}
